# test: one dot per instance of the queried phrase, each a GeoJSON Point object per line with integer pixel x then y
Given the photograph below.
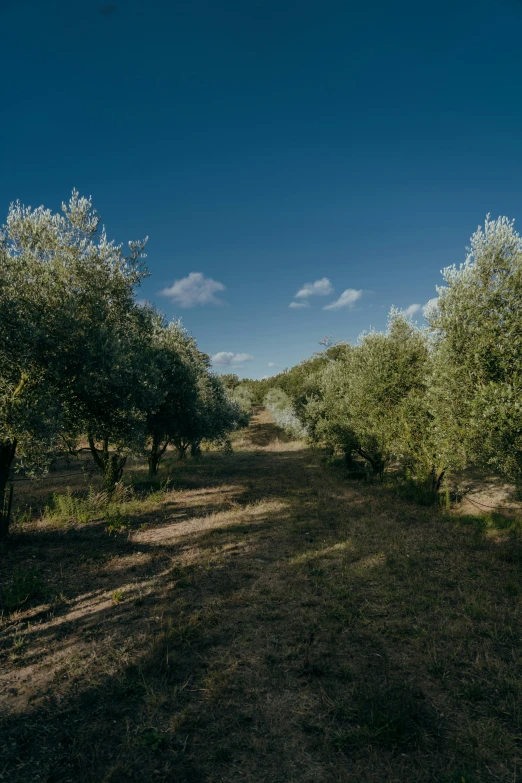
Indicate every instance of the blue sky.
{"type": "Point", "coordinates": [264, 145]}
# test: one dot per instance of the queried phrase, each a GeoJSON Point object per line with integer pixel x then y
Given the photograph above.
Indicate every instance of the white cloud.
{"type": "Point", "coordinates": [295, 305]}
{"type": "Point", "coordinates": [347, 299]}
{"type": "Point", "coordinates": [195, 289]}
{"type": "Point", "coordinates": [223, 358]}
{"type": "Point", "coordinates": [272, 364]}
{"type": "Point", "coordinates": [229, 359]}
{"type": "Point", "coordinates": [410, 311]}
{"type": "Point", "coordinates": [322, 287]}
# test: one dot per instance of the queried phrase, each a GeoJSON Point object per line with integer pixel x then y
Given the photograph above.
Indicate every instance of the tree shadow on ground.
{"type": "Point", "coordinates": [281, 628]}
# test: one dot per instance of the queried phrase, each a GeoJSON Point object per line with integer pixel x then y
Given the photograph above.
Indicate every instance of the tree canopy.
{"type": "Point", "coordinates": [80, 357]}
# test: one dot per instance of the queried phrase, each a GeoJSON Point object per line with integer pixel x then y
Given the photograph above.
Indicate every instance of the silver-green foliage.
{"type": "Point", "coordinates": [444, 398]}
{"type": "Point", "coordinates": [66, 301]}
{"type": "Point", "coordinates": [364, 393]}
{"type": "Point", "coordinates": [477, 332]}
{"type": "Point", "coordinates": [188, 403]}
{"type": "Point", "coordinates": [280, 406]}
{"type": "Point", "coordinates": [173, 409]}
{"type": "Point", "coordinates": [244, 397]}
{"type": "Point", "coordinates": [79, 355]}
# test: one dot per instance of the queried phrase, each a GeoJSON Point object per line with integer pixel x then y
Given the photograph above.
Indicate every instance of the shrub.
{"type": "Point", "coordinates": [68, 507]}
{"type": "Point", "coordinates": [280, 406]}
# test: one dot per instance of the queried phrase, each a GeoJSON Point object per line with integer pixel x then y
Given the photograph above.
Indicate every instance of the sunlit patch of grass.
{"type": "Point", "coordinates": [335, 549]}
{"type": "Point", "coordinates": [69, 507]}
{"type": "Point", "coordinates": [117, 509]}
{"type": "Point", "coordinates": [492, 522]}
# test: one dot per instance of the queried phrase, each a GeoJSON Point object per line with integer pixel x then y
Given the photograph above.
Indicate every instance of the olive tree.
{"type": "Point", "coordinates": [218, 415]}
{"type": "Point", "coordinates": [119, 385]}
{"type": "Point", "coordinates": [66, 304]}
{"type": "Point", "coordinates": [174, 416]}
{"type": "Point", "coordinates": [362, 392]}
{"type": "Point", "coordinates": [243, 395]}
{"type": "Point", "coordinates": [230, 381]}
{"type": "Point", "coordinates": [328, 413]}
{"type": "Point", "coordinates": [281, 408]}
{"type": "Point", "coordinates": [477, 332]}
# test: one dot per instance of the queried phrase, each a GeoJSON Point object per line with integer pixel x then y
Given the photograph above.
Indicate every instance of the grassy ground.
{"type": "Point", "coordinates": [261, 620]}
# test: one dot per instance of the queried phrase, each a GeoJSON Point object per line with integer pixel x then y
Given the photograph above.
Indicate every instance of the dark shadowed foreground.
{"type": "Point", "coordinates": [263, 620]}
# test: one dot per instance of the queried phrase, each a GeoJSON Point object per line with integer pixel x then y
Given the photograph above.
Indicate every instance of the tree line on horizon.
{"type": "Point", "coordinates": [80, 358]}
{"type": "Point", "coordinates": [435, 398]}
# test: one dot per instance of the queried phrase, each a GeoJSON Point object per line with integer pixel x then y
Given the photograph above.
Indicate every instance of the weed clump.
{"type": "Point", "coordinates": [117, 522]}
{"type": "Point", "coordinates": [69, 506]}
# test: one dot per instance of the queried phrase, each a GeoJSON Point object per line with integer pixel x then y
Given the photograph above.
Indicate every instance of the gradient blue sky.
{"type": "Point", "coordinates": [270, 143]}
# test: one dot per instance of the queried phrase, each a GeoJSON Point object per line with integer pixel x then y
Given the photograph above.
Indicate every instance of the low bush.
{"type": "Point", "coordinates": [280, 406]}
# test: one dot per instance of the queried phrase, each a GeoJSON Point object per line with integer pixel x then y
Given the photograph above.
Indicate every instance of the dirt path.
{"type": "Point", "coordinates": [265, 620]}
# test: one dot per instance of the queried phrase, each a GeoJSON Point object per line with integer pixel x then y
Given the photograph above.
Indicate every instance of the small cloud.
{"type": "Point", "coordinates": [223, 358]}
{"type": "Point", "coordinates": [347, 299]}
{"type": "Point", "coordinates": [228, 358]}
{"type": "Point", "coordinates": [195, 289]}
{"type": "Point", "coordinates": [410, 311]}
{"type": "Point", "coordinates": [296, 305]}
{"type": "Point", "coordinates": [272, 364]}
{"type": "Point", "coordinates": [322, 287]}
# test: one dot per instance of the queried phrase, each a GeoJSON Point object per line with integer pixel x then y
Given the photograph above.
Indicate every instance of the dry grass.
{"type": "Point", "coordinates": [263, 620]}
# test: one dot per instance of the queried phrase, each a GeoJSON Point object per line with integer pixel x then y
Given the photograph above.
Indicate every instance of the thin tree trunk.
{"type": "Point", "coordinates": [182, 448]}
{"type": "Point", "coordinates": [7, 455]}
{"type": "Point", "coordinates": [348, 460]}
{"type": "Point", "coordinates": [111, 465]}
{"type": "Point", "coordinates": [156, 453]}
{"type": "Point", "coordinates": [114, 470]}
{"type": "Point", "coordinates": [95, 454]}
{"type": "Point", "coordinates": [153, 461]}
{"type": "Point", "coordinates": [195, 449]}
{"type": "Point", "coordinates": [377, 463]}
{"type": "Point", "coordinates": [437, 479]}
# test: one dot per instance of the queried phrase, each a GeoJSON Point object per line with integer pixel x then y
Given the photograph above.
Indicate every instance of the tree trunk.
{"type": "Point", "coordinates": [377, 463]}
{"type": "Point", "coordinates": [153, 460]}
{"type": "Point", "coordinates": [95, 454]}
{"type": "Point", "coordinates": [7, 455]}
{"type": "Point", "coordinates": [182, 449]}
{"type": "Point", "coordinates": [348, 460]}
{"type": "Point", "coordinates": [111, 465]}
{"type": "Point", "coordinates": [157, 451]}
{"type": "Point", "coordinates": [113, 470]}
{"type": "Point", "coordinates": [436, 478]}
